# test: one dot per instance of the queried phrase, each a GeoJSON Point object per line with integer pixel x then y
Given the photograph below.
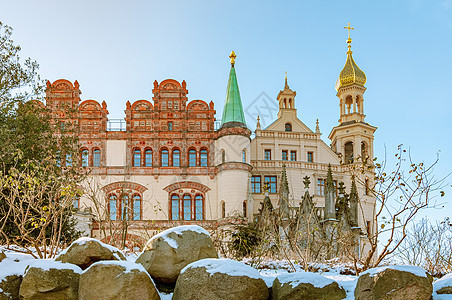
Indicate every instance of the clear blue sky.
{"type": "Point", "coordinates": [116, 50]}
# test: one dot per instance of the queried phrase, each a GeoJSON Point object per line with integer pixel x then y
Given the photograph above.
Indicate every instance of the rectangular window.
{"type": "Point", "coordinates": [136, 207]}
{"type": "Point", "coordinates": [271, 181]}
{"type": "Point", "coordinates": [293, 155]}
{"type": "Point", "coordinates": [267, 154]}
{"type": "Point", "coordinates": [320, 187]}
{"type": "Point", "coordinates": [311, 157]}
{"type": "Point", "coordinates": [284, 155]}
{"type": "Point", "coordinates": [255, 184]}
{"type": "Point", "coordinates": [170, 126]}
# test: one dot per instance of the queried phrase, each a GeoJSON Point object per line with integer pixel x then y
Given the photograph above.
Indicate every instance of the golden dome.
{"type": "Point", "coordinates": [351, 73]}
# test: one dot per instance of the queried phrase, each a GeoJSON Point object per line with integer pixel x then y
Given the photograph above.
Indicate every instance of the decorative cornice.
{"type": "Point", "coordinates": [187, 185]}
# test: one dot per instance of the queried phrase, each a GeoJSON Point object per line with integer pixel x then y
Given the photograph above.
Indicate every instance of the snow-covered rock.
{"type": "Point", "coordinates": [443, 285]}
{"type": "Point", "coordinates": [117, 280]}
{"type": "Point", "coordinates": [217, 279]}
{"type": "Point", "coordinates": [306, 285]}
{"type": "Point", "coordinates": [48, 279]}
{"type": "Point", "coordinates": [394, 282]}
{"type": "Point", "coordinates": [168, 252]}
{"type": "Point", "coordinates": [11, 274]}
{"type": "Point", "coordinates": [86, 251]}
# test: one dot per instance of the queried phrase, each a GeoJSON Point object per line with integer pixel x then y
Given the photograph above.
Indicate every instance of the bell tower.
{"type": "Point", "coordinates": [353, 138]}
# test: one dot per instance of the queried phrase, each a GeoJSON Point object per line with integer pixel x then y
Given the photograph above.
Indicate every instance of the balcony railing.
{"type": "Point", "coordinates": [116, 125]}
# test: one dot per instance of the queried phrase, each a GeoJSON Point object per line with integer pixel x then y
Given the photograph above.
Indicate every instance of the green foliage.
{"type": "Point", "coordinates": [35, 180]}
{"type": "Point", "coordinates": [245, 240]}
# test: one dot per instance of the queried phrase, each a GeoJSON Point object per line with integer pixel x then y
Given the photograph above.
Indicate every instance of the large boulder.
{"type": "Point", "coordinates": [108, 280]}
{"type": "Point", "coordinates": [305, 285]}
{"type": "Point", "coordinates": [47, 279]}
{"type": "Point", "coordinates": [443, 285]}
{"type": "Point", "coordinates": [86, 251]}
{"type": "Point", "coordinates": [394, 282]}
{"type": "Point", "coordinates": [220, 279]}
{"type": "Point", "coordinates": [11, 274]}
{"type": "Point", "coordinates": [168, 252]}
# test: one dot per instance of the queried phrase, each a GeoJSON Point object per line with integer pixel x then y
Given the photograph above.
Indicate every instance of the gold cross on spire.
{"type": "Point", "coordinates": [232, 58]}
{"type": "Point", "coordinates": [349, 28]}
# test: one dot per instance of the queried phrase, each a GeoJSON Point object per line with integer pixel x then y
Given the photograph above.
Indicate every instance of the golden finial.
{"type": "Point", "coordinates": [286, 86]}
{"type": "Point", "coordinates": [232, 56]}
{"type": "Point", "coordinates": [349, 40]}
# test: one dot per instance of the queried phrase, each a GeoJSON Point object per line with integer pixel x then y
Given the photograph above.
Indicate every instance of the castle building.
{"type": "Point", "coordinates": [168, 164]}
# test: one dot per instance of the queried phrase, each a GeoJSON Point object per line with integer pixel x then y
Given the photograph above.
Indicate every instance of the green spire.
{"type": "Point", "coordinates": [233, 115]}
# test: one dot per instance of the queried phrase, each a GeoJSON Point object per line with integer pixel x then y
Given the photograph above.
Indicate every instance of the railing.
{"type": "Point", "coordinates": [295, 164]}
{"type": "Point", "coordinates": [293, 135]}
{"type": "Point", "coordinates": [116, 125]}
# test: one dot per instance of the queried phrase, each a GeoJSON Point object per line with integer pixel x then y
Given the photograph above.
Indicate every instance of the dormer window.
{"type": "Point", "coordinates": [288, 127]}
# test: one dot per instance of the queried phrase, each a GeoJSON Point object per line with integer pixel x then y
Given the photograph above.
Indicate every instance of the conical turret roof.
{"type": "Point", "coordinates": [233, 115]}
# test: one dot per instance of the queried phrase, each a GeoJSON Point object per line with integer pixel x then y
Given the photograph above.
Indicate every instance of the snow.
{"type": "Point", "coordinates": [47, 264]}
{"type": "Point", "coordinates": [347, 282]}
{"type": "Point", "coordinates": [127, 265]}
{"type": "Point", "coordinates": [418, 271]}
{"type": "Point", "coordinates": [84, 240]}
{"type": "Point", "coordinates": [442, 282]}
{"type": "Point", "coordinates": [9, 267]}
{"type": "Point", "coordinates": [295, 279]}
{"type": "Point", "coordinates": [224, 266]}
{"type": "Point", "coordinates": [178, 230]}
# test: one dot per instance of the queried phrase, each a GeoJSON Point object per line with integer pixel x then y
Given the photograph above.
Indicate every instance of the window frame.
{"type": "Point", "coordinates": [136, 157]}
{"type": "Point", "coordinates": [192, 152]}
{"type": "Point", "coordinates": [310, 157]}
{"type": "Point", "coordinates": [293, 155]}
{"type": "Point", "coordinates": [256, 186]}
{"type": "Point", "coordinates": [146, 153]}
{"type": "Point", "coordinates": [175, 158]}
{"type": "Point", "coordinates": [162, 160]}
{"type": "Point", "coordinates": [267, 154]}
{"type": "Point", "coordinates": [285, 155]}
{"type": "Point", "coordinates": [273, 188]}
{"type": "Point", "coordinates": [204, 158]}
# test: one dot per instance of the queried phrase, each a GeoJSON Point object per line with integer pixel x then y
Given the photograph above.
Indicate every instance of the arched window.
{"type": "Point", "coordinates": [96, 158]}
{"type": "Point", "coordinates": [223, 209]}
{"type": "Point", "coordinates": [136, 157]}
{"type": "Point", "coordinates": [85, 158]}
{"type": "Point", "coordinates": [148, 158]}
{"type": "Point", "coordinates": [112, 207]}
{"type": "Point", "coordinates": [136, 207]}
{"type": "Point", "coordinates": [199, 212]}
{"type": "Point", "coordinates": [349, 153]}
{"type": "Point", "coordinates": [176, 158]}
{"type": "Point", "coordinates": [245, 208]}
{"type": "Point", "coordinates": [187, 207]}
{"type": "Point", "coordinates": [363, 151]}
{"type": "Point", "coordinates": [58, 158]}
{"type": "Point", "coordinates": [288, 127]}
{"type": "Point", "coordinates": [164, 158]}
{"type": "Point", "coordinates": [125, 207]}
{"type": "Point", "coordinates": [192, 158]}
{"type": "Point", "coordinates": [203, 158]}
{"type": "Point", "coordinates": [244, 156]}
{"type": "Point", "coordinates": [175, 207]}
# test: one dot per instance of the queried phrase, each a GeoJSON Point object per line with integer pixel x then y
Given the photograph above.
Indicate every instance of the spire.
{"type": "Point", "coordinates": [284, 195]}
{"type": "Point", "coordinates": [351, 73]}
{"type": "Point", "coordinates": [286, 86]}
{"type": "Point", "coordinates": [354, 203]}
{"type": "Point", "coordinates": [258, 125]}
{"type": "Point", "coordinates": [233, 115]}
{"type": "Point", "coordinates": [330, 211]}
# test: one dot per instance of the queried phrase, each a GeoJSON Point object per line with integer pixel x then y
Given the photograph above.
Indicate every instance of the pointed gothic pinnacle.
{"type": "Point", "coordinates": [329, 185]}
{"type": "Point", "coordinates": [317, 128]}
{"type": "Point", "coordinates": [353, 191]}
{"type": "Point", "coordinates": [286, 86]}
{"type": "Point", "coordinates": [284, 183]}
{"type": "Point", "coordinates": [258, 125]}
